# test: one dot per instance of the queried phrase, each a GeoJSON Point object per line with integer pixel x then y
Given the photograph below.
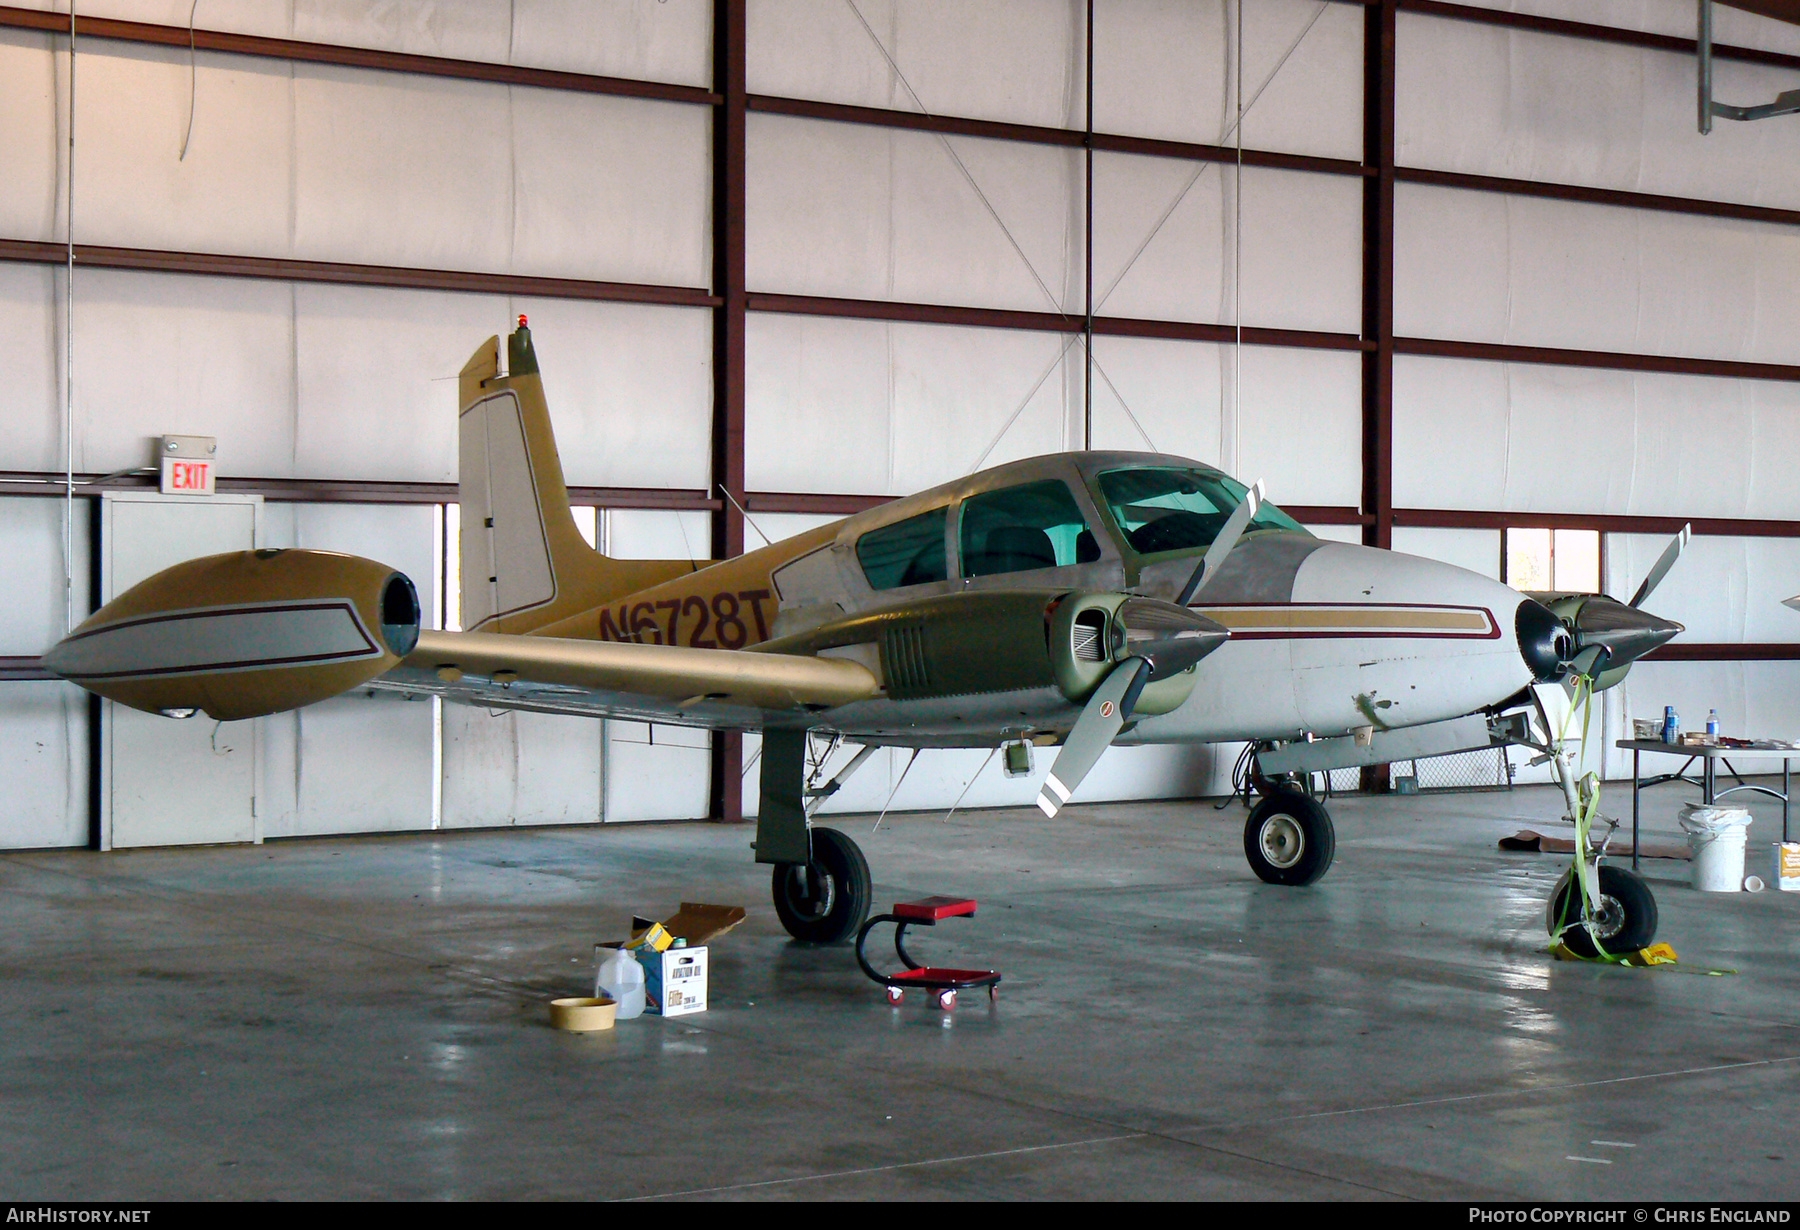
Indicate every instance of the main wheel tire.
{"type": "Point", "coordinates": [1289, 839]}
{"type": "Point", "coordinates": [1624, 923]}
{"type": "Point", "coordinates": [826, 900]}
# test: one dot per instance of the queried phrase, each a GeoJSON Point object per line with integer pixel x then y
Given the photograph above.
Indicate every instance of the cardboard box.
{"type": "Point", "coordinates": [674, 980]}
{"type": "Point", "coordinates": [1787, 866]}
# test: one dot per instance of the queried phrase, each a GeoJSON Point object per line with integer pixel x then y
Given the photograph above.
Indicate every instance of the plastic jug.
{"type": "Point", "coordinates": [622, 978]}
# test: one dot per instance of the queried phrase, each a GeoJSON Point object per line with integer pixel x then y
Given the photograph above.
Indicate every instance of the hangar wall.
{"type": "Point", "coordinates": [911, 283]}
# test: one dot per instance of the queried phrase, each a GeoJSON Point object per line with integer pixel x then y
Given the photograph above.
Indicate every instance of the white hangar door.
{"type": "Point", "coordinates": [166, 782]}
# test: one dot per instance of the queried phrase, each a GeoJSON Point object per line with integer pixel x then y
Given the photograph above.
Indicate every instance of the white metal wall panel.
{"type": "Point", "coordinates": [43, 725]}
{"type": "Point", "coordinates": [271, 18]}
{"type": "Point", "coordinates": [1492, 436]}
{"type": "Point", "coordinates": [1164, 68]}
{"type": "Point", "coordinates": [392, 169]}
{"type": "Point", "coordinates": [376, 372]}
{"type": "Point", "coordinates": [890, 409]}
{"type": "Point", "coordinates": [1476, 550]}
{"type": "Point", "coordinates": [1661, 17]}
{"type": "Point", "coordinates": [32, 140]}
{"type": "Point", "coordinates": [630, 390]}
{"type": "Point", "coordinates": [519, 769]}
{"type": "Point", "coordinates": [656, 772]}
{"type": "Point", "coordinates": [615, 189]}
{"type": "Point", "coordinates": [1517, 104]}
{"type": "Point", "coordinates": [319, 381]}
{"type": "Point", "coordinates": [460, 29]}
{"type": "Point", "coordinates": [33, 439]}
{"type": "Point", "coordinates": [878, 213]}
{"type": "Point", "coordinates": [1016, 60]}
{"type": "Point", "coordinates": [875, 408]}
{"type": "Point", "coordinates": [355, 763]}
{"type": "Point", "coordinates": [1492, 268]}
{"type": "Point", "coordinates": [232, 193]}
{"type": "Point", "coordinates": [1723, 589]}
{"type": "Point", "coordinates": [652, 40]}
{"type": "Point", "coordinates": [1302, 244]}
{"type": "Point", "coordinates": [197, 356]}
{"type": "Point", "coordinates": [629, 386]}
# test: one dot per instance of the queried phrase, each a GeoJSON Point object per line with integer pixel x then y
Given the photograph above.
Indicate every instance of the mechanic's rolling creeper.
{"type": "Point", "coordinates": [939, 983]}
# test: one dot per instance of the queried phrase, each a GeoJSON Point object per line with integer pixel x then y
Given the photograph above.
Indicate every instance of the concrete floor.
{"type": "Point", "coordinates": [365, 1018]}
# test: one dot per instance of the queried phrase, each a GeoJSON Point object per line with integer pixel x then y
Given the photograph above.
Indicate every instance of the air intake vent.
{"type": "Point", "coordinates": [903, 660]}
{"type": "Point", "coordinates": [1090, 636]}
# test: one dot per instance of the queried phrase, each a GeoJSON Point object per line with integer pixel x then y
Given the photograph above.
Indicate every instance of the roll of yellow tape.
{"type": "Point", "coordinates": [583, 1015]}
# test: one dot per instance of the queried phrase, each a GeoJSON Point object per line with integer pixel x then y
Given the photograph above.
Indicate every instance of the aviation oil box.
{"type": "Point", "coordinates": [674, 980]}
{"type": "Point", "coordinates": [1787, 866]}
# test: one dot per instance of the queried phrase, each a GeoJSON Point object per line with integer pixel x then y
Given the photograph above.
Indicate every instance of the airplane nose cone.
{"type": "Point", "coordinates": [1544, 642]}
{"type": "Point", "coordinates": [1627, 632]}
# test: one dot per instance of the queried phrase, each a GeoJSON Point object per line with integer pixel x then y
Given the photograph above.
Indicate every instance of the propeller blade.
{"type": "Point", "coordinates": [1666, 561]}
{"type": "Point", "coordinates": [1221, 546]}
{"type": "Point", "coordinates": [1106, 711]}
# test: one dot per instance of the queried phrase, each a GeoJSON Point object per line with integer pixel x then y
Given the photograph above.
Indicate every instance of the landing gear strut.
{"type": "Point", "coordinates": [1289, 839]}
{"type": "Point", "coordinates": [826, 900]}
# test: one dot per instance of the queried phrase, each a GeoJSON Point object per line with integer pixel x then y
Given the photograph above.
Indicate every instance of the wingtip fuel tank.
{"type": "Point", "coordinates": [244, 634]}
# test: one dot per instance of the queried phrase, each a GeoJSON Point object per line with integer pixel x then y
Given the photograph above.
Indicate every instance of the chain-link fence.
{"type": "Point", "coordinates": [1485, 768]}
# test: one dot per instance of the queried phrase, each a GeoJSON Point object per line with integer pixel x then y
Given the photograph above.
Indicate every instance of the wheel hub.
{"type": "Point", "coordinates": [1282, 841]}
{"type": "Point", "coordinates": [811, 893]}
{"type": "Point", "coordinates": [1609, 918]}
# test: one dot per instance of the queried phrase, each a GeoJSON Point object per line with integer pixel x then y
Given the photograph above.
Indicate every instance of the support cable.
{"type": "Point", "coordinates": [1200, 168]}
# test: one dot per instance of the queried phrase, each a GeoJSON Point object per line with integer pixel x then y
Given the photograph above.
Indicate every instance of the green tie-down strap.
{"type": "Point", "coordinates": [1586, 872]}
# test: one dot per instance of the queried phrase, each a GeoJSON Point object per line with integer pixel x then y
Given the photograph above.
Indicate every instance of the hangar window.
{"type": "Point", "coordinates": [909, 552]}
{"type": "Point", "coordinates": [1540, 560]}
{"type": "Point", "coordinates": [1180, 510]}
{"type": "Point", "coordinates": [1037, 525]}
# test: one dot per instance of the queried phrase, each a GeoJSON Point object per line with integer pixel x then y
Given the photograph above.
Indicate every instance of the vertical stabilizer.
{"type": "Point", "coordinates": [524, 563]}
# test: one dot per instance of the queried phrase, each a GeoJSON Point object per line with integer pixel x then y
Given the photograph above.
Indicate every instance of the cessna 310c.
{"type": "Point", "coordinates": [1071, 601]}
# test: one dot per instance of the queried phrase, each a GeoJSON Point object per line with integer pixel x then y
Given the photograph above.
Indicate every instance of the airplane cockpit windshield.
{"type": "Point", "coordinates": [1166, 509]}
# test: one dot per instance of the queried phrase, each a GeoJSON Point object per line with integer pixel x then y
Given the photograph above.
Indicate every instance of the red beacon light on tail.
{"type": "Point", "coordinates": [521, 320]}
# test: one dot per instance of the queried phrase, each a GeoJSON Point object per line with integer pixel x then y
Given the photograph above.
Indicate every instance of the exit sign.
{"type": "Point", "coordinates": [189, 464]}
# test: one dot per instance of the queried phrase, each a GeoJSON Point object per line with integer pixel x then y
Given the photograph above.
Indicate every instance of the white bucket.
{"type": "Point", "coordinates": [1716, 836]}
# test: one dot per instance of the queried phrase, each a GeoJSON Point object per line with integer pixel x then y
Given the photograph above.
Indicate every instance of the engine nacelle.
{"type": "Point", "coordinates": [1001, 640]}
{"type": "Point", "coordinates": [244, 634]}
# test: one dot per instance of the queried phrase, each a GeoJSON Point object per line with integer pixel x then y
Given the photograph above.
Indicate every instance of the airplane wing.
{"type": "Point", "coordinates": [672, 684]}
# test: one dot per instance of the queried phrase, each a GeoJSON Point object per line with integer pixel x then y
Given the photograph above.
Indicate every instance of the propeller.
{"type": "Point", "coordinates": [1160, 639]}
{"type": "Point", "coordinates": [1610, 635]}
{"type": "Point", "coordinates": [1664, 562]}
{"type": "Point", "coordinates": [1793, 603]}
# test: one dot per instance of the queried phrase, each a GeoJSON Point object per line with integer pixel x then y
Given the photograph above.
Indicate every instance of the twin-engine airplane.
{"type": "Point", "coordinates": [1071, 601]}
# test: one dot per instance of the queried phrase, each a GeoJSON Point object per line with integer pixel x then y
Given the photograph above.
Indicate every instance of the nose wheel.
{"type": "Point", "coordinates": [1289, 838]}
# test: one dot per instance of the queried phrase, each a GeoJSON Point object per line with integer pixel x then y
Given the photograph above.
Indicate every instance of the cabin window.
{"type": "Point", "coordinates": [909, 552]}
{"type": "Point", "coordinates": [1038, 525]}
{"type": "Point", "coordinates": [1179, 510]}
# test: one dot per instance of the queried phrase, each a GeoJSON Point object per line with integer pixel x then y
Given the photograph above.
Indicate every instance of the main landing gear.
{"type": "Point", "coordinates": [1289, 839]}
{"type": "Point", "coordinates": [826, 900]}
{"type": "Point", "coordinates": [821, 880]}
